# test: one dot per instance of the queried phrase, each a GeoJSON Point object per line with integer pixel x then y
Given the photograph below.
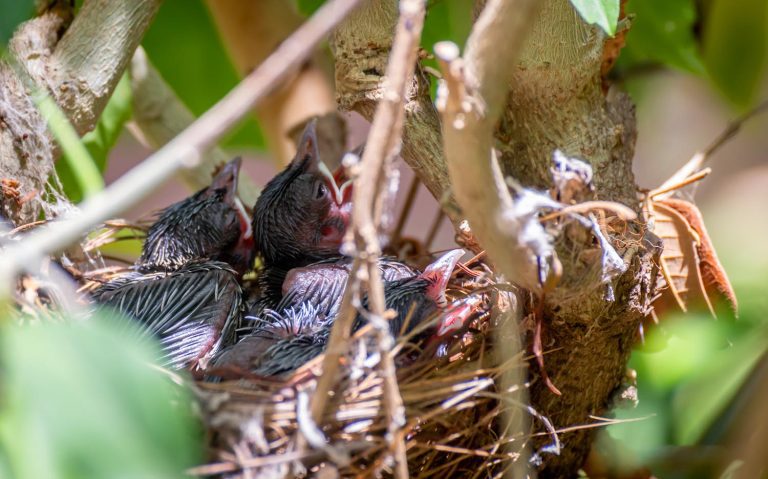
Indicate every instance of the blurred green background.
{"type": "Point", "coordinates": [690, 65]}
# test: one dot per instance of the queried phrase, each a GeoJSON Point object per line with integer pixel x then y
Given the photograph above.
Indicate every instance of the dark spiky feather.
{"type": "Point", "coordinates": [193, 310]}
{"type": "Point", "coordinates": [201, 226]}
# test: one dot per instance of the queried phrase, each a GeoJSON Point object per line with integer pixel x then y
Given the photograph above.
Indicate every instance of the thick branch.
{"type": "Point", "coordinates": [185, 151]}
{"type": "Point", "coordinates": [26, 148]}
{"type": "Point", "coordinates": [160, 116]}
{"type": "Point", "coordinates": [361, 47]}
{"type": "Point", "coordinates": [80, 70]}
{"type": "Point", "coordinates": [556, 101]}
{"type": "Point", "coordinates": [251, 31]}
{"type": "Point", "coordinates": [93, 54]}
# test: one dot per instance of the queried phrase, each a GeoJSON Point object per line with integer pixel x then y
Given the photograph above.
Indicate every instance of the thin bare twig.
{"type": "Point", "coordinates": [698, 159]}
{"type": "Point", "coordinates": [410, 197]}
{"type": "Point", "coordinates": [383, 144]}
{"type": "Point", "coordinates": [185, 151]}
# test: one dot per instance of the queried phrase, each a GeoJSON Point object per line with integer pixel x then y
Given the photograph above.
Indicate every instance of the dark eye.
{"type": "Point", "coordinates": [320, 190]}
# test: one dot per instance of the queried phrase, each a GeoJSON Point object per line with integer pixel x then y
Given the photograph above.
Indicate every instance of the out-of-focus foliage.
{"type": "Point", "coordinates": [662, 31]}
{"type": "Point", "coordinates": [603, 13]}
{"type": "Point", "coordinates": [185, 48]}
{"type": "Point", "coordinates": [308, 7]}
{"type": "Point", "coordinates": [98, 142]}
{"type": "Point", "coordinates": [724, 40]}
{"type": "Point", "coordinates": [13, 13]}
{"type": "Point", "coordinates": [689, 370]}
{"type": "Point", "coordinates": [736, 47]}
{"type": "Point", "coordinates": [80, 400]}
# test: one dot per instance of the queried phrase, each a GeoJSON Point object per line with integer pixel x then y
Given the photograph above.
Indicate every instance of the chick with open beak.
{"type": "Point", "coordinates": [300, 217]}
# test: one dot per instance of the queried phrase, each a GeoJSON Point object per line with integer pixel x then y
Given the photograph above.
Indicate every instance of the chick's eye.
{"type": "Point", "coordinates": [320, 191]}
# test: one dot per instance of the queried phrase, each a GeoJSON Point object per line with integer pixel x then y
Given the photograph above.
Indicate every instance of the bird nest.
{"type": "Point", "coordinates": [454, 419]}
{"type": "Point", "coordinates": [455, 395]}
{"type": "Point", "coordinates": [454, 425]}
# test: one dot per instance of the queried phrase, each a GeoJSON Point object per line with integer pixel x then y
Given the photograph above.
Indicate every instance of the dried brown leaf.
{"type": "Point", "coordinates": [688, 263]}
{"type": "Point", "coordinates": [715, 279]}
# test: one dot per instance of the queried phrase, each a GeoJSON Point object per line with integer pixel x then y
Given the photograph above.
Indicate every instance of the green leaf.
{"type": "Point", "coordinates": [81, 401]}
{"type": "Point", "coordinates": [736, 48]}
{"type": "Point", "coordinates": [191, 58]}
{"type": "Point", "coordinates": [603, 13]}
{"type": "Point", "coordinates": [13, 13]}
{"type": "Point", "coordinates": [445, 20]}
{"type": "Point", "coordinates": [662, 31]}
{"type": "Point", "coordinates": [85, 171]}
{"type": "Point", "coordinates": [100, 141]}
{"type": "Point", "coordinates": [308, 7]}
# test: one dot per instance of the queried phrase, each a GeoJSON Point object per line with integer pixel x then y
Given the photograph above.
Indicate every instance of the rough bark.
{"type": "Point", "coordinates": [556, 101]}
{"type": "Point", "coordinates": [79, 64]}
{"type": "Point", "coordinates": [92, 56]}
{"type": "Point", "coordinates": [361, 46]}
{"type": "Point", "coordinates": [26, 149]}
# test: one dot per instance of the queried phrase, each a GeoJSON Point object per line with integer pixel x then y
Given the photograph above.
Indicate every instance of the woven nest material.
{"type": "Point", "coordinates": [455, 419]}
{"type": "Point", "coordinates": [452, 393]}
{"type": "Point", "coordinates": [452, 427]}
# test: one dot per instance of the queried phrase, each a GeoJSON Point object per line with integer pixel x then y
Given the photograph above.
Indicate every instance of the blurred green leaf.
{"type": "Point", "coordinates": [699, 400]}
{"type": "Point", "coordinates": [100, 141]}
{"type": "Point", "coordinates": [185, 48]}
{"type": "Point", "coordinates": [13, 13]}
{"type": "Point", "coordinates": [603, 13]}
{"type": "Point", "coordinates": [446, 20]}
{"type": "Point", "coordinates": [81, 401]}
{"type": "Point", "coordinates": [662, 31]}
{"type": "Point", "coordinates": [736, 48]}
{"type": "Point", "coordinates": [85, 172]}
{"type": "Point", "coordinates": [308, 7]}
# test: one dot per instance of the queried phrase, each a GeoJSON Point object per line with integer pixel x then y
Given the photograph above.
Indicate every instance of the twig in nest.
{"type": "Point", "coordinates": [409, 199]}
{"type": "Point", "coordinates": [623, 212]}
{"type": "Point", "coordinates": [369, 193]}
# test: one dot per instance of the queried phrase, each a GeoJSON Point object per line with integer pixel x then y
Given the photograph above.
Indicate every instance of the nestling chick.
{"type": "Point", "coordinates": [184, 288]}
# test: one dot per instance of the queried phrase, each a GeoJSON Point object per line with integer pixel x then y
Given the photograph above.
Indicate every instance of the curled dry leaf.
{"type": "Point", "coordinates": [688, 263]}
{"type": "Point", "coordinates": [715, 279]}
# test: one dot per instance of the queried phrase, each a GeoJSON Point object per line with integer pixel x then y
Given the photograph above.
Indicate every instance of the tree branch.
{"type": "Point", "coordinates": [26, 148]}
{"type": "Point", "coordinates": [185, 151]}
{"type": "Point", "coordinates": [81, 70]}
{"type": "Point", "coordinates": [160, 116]}
{"type": "Point", "coordinates": [251, 31]}
{"type": "Point", "coordinates": [556, 101]}
{"type": "Point", "coordinates": [476, 89]}
{"type": "Point", "coordinates": [92, 56]}
{"type": "Point", "coordinates": [384, 141]}
{"type": "Point", "coordinates": [471, 98]}
{"type": "Point", "coordinates": [361, 46]}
